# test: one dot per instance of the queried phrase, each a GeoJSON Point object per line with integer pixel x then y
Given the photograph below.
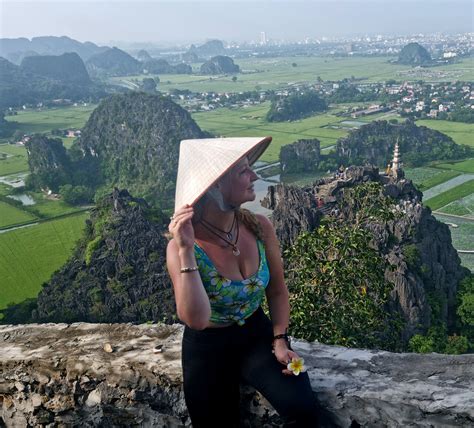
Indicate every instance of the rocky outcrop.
{"type": "Point", "coordinates": [300, 156]}
{"type": "Point", "coordinates": [67, 68]}
{"type": "Point", "coordinates": [127, 375]}
{"type": "Point", "coordinates": [136, 139]}
{"type": "Point", "coordinates": [161, 66]}
{"type": "Point", "coordinates": [48, 162]}
{"type": "Point", "coordinates": [414, 54]}
{"type": "Point", "coordinates": [420, 258]}
{"type": "Point", "coordinates": [208, 49]}
{"type": "Point", "coordinates": [219, 64]}
{"type": "Point", "coordinates": [113, 62]}
{"type": "Point", "coordinates": [118, 270]}
{"type": "Point", "coordinates": [374, 143]}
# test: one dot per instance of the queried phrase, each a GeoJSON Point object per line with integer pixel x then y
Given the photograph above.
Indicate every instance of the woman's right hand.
{"type": "Point", "coordinates": [182, 228]}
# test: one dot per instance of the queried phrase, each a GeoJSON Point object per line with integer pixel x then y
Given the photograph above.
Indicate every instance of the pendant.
{"type": "Point", "coordinates": [235, 251]}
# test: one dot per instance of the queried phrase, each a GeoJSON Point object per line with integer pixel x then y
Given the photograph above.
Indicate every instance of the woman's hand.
{"type": "Point", "coordinates": [284, 355]}
{"type": "Point", "coordinates": [181, 227]}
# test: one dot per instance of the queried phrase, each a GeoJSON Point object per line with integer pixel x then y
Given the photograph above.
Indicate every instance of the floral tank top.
{"type": "Point", "coordinates": [232, 300]}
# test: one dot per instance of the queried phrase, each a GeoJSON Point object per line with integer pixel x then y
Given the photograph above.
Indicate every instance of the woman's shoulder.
{"type": "Point", "coordinates": [268, 230]}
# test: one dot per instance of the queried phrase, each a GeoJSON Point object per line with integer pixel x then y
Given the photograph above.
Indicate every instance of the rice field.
{"type": "Point", "coordinates": [462, 237]}
{"type": "Point", "coordinates": [447, 185]}
{"type": "Point", "coordinates": [29, 256]}
{"type": "Point", "coordinates": [274, 73]}
{"type": "Point", "coordinates": [251, 122]}
{"type": "Point", "coordinates": [451, 195]}
{"type": "Point", "coordinates": [426, 177]}
{"type": "Point", "coordinates": [11, 215]}
{"type": "Point", "coordinates": [461, 133]}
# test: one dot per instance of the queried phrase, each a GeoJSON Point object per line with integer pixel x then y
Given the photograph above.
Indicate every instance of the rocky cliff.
{"type": "Point", "coordinates": [67, 68]}
{"type": "Point", "coordinates": [300, 156]}
{"type": "Point", "coordinates": [119, 375]}
{"type": "Point", "coordinates": [136, 139]}
{"type": "Point", "coordinates": [414, 54]}
{"type": "Point", "coordinates": [117, 272]}
{"type": "Point", "coordinates": [421, 262]}
{"type": "Point", "coordinates": [219, 64]}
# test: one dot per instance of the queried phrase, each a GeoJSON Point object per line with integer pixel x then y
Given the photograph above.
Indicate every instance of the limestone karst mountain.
{"type": "Point", "coordinates": [420, 261]}
{"type": "Point", "coordinates": [67, 68]}
{"type": "Point", "coordinates": [117, 272]}
{"type": "Point", "coordinates": [113, 62]}
{"type": "Point", "coordinates": [220, 65]}
{"type": "Point", "coordinates": [373, 144]}
{"type": "Point", "coordinates": [414, 54]}
{"type": "Point", "coordinates": [136, 138]}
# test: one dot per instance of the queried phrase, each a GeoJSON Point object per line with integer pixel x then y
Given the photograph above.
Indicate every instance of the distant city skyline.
{"type": "Point", "coordinates": [164, 22]}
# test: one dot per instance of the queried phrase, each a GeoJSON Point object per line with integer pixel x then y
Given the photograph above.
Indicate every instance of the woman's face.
{"type": "Point", "coordinates": [237, 185]}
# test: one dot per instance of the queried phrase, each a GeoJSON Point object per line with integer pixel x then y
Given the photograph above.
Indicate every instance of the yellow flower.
{"type": "Point", "coordinates": [296, 366]}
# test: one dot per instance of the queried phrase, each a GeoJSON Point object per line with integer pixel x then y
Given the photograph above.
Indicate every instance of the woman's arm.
{"type": "Point", "coordinates": [277, 293]}
{"type": "Point", "coordinates": [192, 304]}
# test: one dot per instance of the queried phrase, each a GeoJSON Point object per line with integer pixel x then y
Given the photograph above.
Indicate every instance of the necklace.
{"type": "Point", "coordinates": [228, 233]}
{"type": "Point", "coordinates": [235, 249]}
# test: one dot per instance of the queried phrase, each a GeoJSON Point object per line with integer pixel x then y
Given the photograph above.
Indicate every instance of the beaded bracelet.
{"type": "Point", "coordinates": [189, 269]}
{"type": "Point", "coordinates": [281, 336]}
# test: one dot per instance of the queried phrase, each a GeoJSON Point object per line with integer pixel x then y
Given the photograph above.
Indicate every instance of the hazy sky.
{"type": "Point", "coordinates": [183, 21]}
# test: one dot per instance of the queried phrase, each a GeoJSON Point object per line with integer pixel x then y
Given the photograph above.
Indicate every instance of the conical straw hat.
{"type": "Point", "coordinates": [203, 161]}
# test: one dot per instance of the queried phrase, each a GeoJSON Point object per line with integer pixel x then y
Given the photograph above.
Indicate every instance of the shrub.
{"type": "Point", "coordinates": [338, 290]}
{"type": "Point", "coordinates": [420, 344]}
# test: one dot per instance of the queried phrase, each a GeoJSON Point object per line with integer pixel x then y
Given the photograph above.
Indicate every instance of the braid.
{"type": "Point", "coordinates": [249, 219]}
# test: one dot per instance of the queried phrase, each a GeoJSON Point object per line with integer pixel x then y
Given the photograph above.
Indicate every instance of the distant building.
{"type": "Point", "coordinates": [263, 38]}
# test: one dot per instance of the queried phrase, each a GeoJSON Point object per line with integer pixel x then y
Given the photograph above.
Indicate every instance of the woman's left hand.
{"type": "Point", "coordinates": [284, 355]}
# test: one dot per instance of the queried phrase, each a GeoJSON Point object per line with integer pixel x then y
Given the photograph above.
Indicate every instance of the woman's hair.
{"type": "Point", "coordinates": [249, 219]}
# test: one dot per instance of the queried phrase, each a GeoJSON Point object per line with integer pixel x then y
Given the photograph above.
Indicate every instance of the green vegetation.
{"type": "Point", "coordinates": [375, 141]}
{"type": "Point", "coordinates": [451, 195]}
{"type": "Point", "coordinates": [461, 133]}
{"type": "Point", "coordinates": [10, 215]}
{"type": "Point", "coordinates": [427, 177]}
{"type": "Point", "coordinates": [30, 255]}
{"type": "Point", "coordinates": [15, 160]}
{"type": "Point", "coordinates": [438, 339]}
{"type": "Point", "coordinates": [464, 166]}
{"type": "Point", "coordinates": [462, 207]}
{"type": "Point", "coordinates": [336, 279]}
{"type": "Point", "coordinates": [44, 120]}
{"type": "Point", "coordinates": [277, 73]}
{"type": "Point", "coordinates": [251, 122]}
{"type": "Point", "coordinates": [295, 106]}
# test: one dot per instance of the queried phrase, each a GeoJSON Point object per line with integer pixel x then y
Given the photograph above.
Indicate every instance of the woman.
{"type": "Point", "coordinates": [223, 261]}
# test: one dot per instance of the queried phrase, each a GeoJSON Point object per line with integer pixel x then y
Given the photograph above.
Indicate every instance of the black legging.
{"type": "Point", "coordinates": [215, 360]}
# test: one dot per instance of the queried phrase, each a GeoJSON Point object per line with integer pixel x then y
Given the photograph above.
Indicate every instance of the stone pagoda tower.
{"type": "Point", "coordinates": [396, 170]}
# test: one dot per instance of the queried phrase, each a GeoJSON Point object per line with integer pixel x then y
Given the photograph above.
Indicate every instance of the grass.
{"type": "Point", "coordinates": [426, 177]}
{"type": "Point", "coordinates": [458, 192]}
{"type": "Point", "coordinates": [50, 208]}
{"type": "Point", "coordinates": [10, 215]}
{"type": "Point", "coordinates": [462, 237]}
{"type": "Point", "coordinates": [466, 166]}
{"type": "Point", "coordinates": [251, 122]}
{"type": "Point", "coordinates": [16, 161]}
{"type": "Point", "coordinates": [45, 119]}
{"type": "Point", "coordinates": [461, 207]}
{"type": "Point", "coordinates": [461, 133]}
{"type": "Point", "coordinates": [29, 256]}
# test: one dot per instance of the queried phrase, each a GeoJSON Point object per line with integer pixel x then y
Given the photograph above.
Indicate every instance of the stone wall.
{"type": "Point", "coordinates": [125, 375]}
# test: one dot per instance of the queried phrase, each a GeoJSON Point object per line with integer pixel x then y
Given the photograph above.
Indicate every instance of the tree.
{"type": "Point", "coordinates": [234, 78]}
